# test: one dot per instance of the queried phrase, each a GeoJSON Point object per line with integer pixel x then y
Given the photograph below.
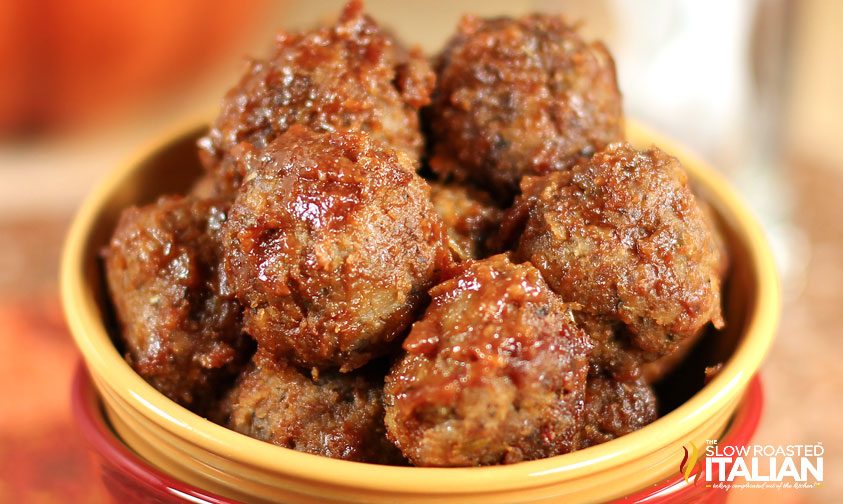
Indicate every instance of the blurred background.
{"type": "Point", "coordinates": [753, 86]}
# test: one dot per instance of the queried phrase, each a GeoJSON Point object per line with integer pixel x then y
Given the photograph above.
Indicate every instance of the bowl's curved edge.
{"type": "Point", "coordinates": [133, 470]}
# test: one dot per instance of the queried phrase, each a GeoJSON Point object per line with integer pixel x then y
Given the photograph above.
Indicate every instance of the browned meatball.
{"type": "Point", "coordinates": [521, 97]}
{"type": "Point", "coordinates": [613, 351]}
{"type": "Point", "coordinates": [180, 325]}
{"type": "Point", "coordinates": [333, 415]}
{"type": "Point", "coordinates": [614, 408]}
{"type": "Point", "coordinates": [654, 371]}
{"type": "Point", "coordinates": [351, 75]}
{"type": "Point", "coordinates": [470, 217]}
{"type": "Point", "coordinates": [494, 372]}
{"type": "Point", "coordinates": [331, 245]}
{"type": "Point", "coordinates": [717, 232]}
{"type": "Point", "coordinates": [622, 236]}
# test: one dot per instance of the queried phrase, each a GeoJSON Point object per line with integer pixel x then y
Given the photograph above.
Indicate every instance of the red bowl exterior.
{"type": "Point", "coordinates": [129, 478]}
{"type": "Point", "coordinates": [126, 476]}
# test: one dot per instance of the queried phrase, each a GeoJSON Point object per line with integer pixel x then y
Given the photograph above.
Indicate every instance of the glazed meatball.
{"type": "Point", "coordinates": [333, 415]}
{"type": "Point", "coordinates": [519, 97]}
{"type": "Point", "coordinates": [614, 408]}
{"type": "Point", "coordinates": [494, 372]}
{"type": "Point", "coordinates": [655, 371]}
{"type": "Point", "coordinates": [180, 323]}
{"type": "Point", "coordinates": [351, 75]}
{"type": "Point", "coordinates": [332, 244]}
{"type": "Point", "coordinates": [470, 217]}
{"type": "Point", "coordinates": [622, 236]}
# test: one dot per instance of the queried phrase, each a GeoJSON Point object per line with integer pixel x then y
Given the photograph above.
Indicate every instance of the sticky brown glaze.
{"type": "Point", "coordinates": [622, 236]}
{"type": "Point", "coordinates": [180, 323]}
{"type": "Point", "coordinates": [333, 415]}
{"type": "Point", "coordinates": [519, 97]}
{"type": "Point", "coordinates": [470, 217]}
{"type": "Point", "coordinates": [614, 408]}
{"type": "Point", "coordinates": [494, 372]}
{"type": "Point", "coordinates": [332, 244]}
{"type": "Point", "coordinates": [351, 75]}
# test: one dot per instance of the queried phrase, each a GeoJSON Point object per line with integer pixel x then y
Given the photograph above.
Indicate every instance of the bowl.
{"type": "Point", "coordinates": [199, 453]}
{"type": "Point", "coordinates": [129, 478]}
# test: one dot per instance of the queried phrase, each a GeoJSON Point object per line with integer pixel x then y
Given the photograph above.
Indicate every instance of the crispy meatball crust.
{"type": "Point", "coordinates": [622, 236]}
{"type": "Point", "coordinates": [655, 371]}
{"type": "Point", "coordinates": [334, 415]}
{"type": "Point", "coordinates": [180, 323]}
{"type": "Point", "coordinates": [519, 97]}
{"type": "Point", "coordinates": [332, 244]}
{"type": "Point", "coordinates": [470, 217]}
{"type": "Point", "coordinates": [614, 408]}
{"type": "Point", "coordinates": [494, 372]}
{"type": "Point", "coordinates": [351, 75]}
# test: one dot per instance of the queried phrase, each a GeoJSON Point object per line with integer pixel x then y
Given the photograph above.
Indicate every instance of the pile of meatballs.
{"type": "Point", "coordinates": [456, 262]}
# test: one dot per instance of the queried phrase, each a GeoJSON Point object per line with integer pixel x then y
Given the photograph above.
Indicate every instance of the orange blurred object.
{"type": "Point", "coordinates": [68, 62]}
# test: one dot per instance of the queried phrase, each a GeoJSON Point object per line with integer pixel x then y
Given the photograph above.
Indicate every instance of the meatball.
{"type": "Point", "coordinates": [655, 371]}
{"type": "Point", "coordinates": [351, 75]}
{"type": "Point", "coordinates": [333, 415]}
{"type": "Point", "coordinates": [470, 217]}
{"type": "Point", "coordinates": [719, 241]}
{"type": "Point", "coordinates": [180, 323]}
{"type": "Point", "coordinates": [519, 97]}
{"type": "Point", "coordinates": [614, 408]}
{"type": "Point", "coordinates": [612, 351]}
{"type": "Point", "coordinates": [622, 236]}
{"type": "Point", "coordinates": [494, 372]}
{"type": "Point", "coordinates": [332, 244]}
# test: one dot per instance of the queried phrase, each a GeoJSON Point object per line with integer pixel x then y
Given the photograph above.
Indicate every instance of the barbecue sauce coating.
{"type": "Point", "coordinates": [493, 373]}
{"type": "Point", "coordinates": [519, 97]}
{"type": "Point", "coordinates": [470, 217]}
{"type": "Point", "coordinates": [621, 235]}
{"type": "Point", "coordinates": [349, 76]}
{"type": "Point", "coordinates": [332, 244]}
{"type": "Point", "coordinates": [334, 415]}
{"type": "Point", "coordinates": [179, 322]}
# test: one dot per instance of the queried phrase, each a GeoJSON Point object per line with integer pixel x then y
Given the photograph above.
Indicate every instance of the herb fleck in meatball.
{"type": "Point", "coordinates": [519, 97]}
{"type": "Point", "coordinates": [180, 323]}
{"type": "Point", "coordinates": [470, 217]}
{"type": "Point", "coordinates": [614, 408]}
{"type": "Point", "coordinates": [333, 415]}
{"type": "Point", "coordinates": [351, 75]}
{"type": "Point", "coordinates": [622, 236]}
{"type": "Point", "coordinates": [332, 244]}
{"type": "Point", "coordinates": [494, 372]}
